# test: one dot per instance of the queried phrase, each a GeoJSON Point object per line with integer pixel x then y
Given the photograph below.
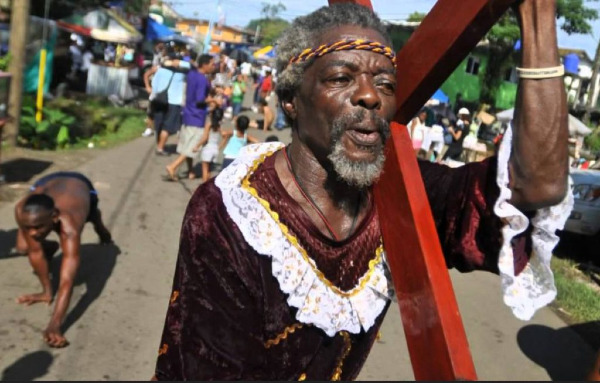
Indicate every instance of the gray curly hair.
{"type": "Point", "coordinates": [303, 34]}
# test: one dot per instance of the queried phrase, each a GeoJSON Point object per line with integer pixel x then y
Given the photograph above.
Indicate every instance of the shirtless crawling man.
{"type": "Point", "coordinates": [61, 202]}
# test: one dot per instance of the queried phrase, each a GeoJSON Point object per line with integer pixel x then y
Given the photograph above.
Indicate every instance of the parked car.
{"type": "Point", "coordinates": [585, 217]}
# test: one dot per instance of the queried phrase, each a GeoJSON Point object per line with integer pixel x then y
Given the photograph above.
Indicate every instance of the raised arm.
{"type": "Point", "coordinates": [539, 159]}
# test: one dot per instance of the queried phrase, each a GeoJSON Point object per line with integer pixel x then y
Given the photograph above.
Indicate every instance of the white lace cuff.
{"type": "Point", "coordinates": [534, 287]}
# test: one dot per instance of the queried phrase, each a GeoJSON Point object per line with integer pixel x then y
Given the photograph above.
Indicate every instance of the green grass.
{"type": "Point", "coordinates": [576, 294]}
{"type": "Point", "coordinates": [131, 126]}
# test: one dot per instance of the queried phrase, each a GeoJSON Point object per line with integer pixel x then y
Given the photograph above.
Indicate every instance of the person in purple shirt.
{"type": "Point", "coordinates": [194, 115]}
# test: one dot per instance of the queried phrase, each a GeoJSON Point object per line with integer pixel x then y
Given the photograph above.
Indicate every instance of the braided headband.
{"type": "Point", "coordinates": [345, 45]}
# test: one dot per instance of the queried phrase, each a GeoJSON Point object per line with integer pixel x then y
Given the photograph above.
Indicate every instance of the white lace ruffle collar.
{"type": "Point", "coordinates": [318, 302]}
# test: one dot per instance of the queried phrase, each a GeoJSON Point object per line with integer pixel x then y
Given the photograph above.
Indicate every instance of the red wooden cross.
{"type": "Point", "coordinates": [434, 331]}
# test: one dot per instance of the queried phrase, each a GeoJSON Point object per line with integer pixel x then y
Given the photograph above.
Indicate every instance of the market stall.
{"type": "Point", "coordinates": [109, 76]}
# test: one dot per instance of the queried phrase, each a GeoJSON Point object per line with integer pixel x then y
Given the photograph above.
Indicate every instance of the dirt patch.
{"type": "Point", "coordinates": [21, 167]}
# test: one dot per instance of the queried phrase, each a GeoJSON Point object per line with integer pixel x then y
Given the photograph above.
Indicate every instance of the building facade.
{"type": "Point", "coordinates": [222, 37]}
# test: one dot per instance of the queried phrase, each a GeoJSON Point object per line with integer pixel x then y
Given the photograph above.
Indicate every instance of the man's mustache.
{"type": "Point", "coordinates": [357, 117]}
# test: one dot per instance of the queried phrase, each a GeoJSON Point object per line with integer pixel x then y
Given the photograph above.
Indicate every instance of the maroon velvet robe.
{"type": "Point", "coordinates": [227, 317]}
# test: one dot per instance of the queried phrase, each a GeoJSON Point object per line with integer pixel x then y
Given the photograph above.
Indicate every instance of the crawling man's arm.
{"type": "Point", "coordinates": [70, 242]}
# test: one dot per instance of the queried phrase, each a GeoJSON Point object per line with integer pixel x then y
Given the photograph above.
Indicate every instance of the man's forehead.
{"type": "Point", "coordinates": [349, 32]}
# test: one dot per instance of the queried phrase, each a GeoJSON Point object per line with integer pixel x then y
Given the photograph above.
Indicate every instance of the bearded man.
{"type": "Point", "coordinates": [281, 271]}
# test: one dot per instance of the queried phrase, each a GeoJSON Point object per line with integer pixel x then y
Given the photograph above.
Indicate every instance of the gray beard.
{"type": "Point", "coordinates": [359, 174]}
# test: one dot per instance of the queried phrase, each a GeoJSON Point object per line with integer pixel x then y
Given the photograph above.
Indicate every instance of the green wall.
{"type": "Point", "coordinates": [468, 84]}
{"type": "Point", "coordinates": [460, 81]}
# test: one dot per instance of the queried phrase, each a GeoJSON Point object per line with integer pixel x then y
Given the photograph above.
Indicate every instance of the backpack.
{"type": "Point", "coordinates": [161, 99]}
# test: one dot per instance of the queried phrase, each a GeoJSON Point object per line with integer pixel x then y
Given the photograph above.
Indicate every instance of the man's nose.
{"type": "Point", "coordinates": [366, 94]}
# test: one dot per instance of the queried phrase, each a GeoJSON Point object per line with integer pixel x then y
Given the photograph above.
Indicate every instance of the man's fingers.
{"type": "Point", "coordinates": [55, 340]}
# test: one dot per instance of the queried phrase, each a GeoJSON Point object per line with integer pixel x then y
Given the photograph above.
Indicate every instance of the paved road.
{"type": "Point", "coordinates": [121, 294]}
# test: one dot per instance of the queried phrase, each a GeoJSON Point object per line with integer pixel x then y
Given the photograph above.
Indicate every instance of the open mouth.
{"type": "Point", "coordinates": [364, 137]}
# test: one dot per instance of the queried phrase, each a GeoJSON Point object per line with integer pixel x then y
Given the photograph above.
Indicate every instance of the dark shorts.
{"type": "Point", "coordinates": [227, 162]}
{"type": "Point", "coordinates": [93, 193]}
{"type": "Point", "coordinates": [168, 119]}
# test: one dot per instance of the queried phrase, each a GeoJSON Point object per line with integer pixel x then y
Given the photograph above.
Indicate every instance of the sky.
{"type": "Point", "coordinates": [240, 12]}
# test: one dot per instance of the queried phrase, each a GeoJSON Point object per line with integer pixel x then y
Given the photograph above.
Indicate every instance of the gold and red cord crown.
{"type": "Point", "coordinates": [344, 45]}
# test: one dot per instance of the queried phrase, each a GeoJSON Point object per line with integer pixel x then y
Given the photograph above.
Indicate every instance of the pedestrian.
{"type": "Point", "coordinates": [458, 131]}
{"type": "Point", "coordinates": [237, 94]}
{"type": "Point", "coordinates": [210, 142]}
{"type": "Point", "coordinates": [280, 122]}
{"type": "Point", "coordinates": [76, 59]}
{"type": "Point", "coordinates": [61, 202]}
{"type": "Point", "coordinates": [194, 116]}
{"type": "Point", "coordinates": [265, 121]}
{"type": "Point", "coordinates": [167, 86]}
{"type": "Point", "coordinates": [281, 270]}
{"type": "Point", "coordinates": [87, 59]}
{"type": "Point", "coordinates": [267, 85]}
{"type": "Point", "coordinates": [416, 129]}
{"type": "Point", "coordinates": [234, 141]}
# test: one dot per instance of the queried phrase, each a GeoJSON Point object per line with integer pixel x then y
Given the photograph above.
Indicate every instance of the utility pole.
{"type": "Point", "coordinates": [590, 104]}
{"type": "Point", "coordinates": [257, 34]}
{"type": "Point", "coordinates": [19, 21]}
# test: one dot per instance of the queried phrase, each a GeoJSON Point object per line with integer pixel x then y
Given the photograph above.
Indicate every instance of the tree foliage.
{"type": "Point", "coordinates": [574, 17]}
{"type": "Point", "coordinates": [271, 25]}
{"type": "Point", "coordinates": [416, 17]}
{"type": "Point", "coordinates": [270, 29]}
{"type": "Point", "coordinates": [272, 11]}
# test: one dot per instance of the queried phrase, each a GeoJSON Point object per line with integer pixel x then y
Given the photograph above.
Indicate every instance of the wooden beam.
{"type": "Point", "coordinates": [434, 331]}
{"type": "Point", "coordinates": [435, 335]}
{"type": "Point", "coordinates": [449, 32]}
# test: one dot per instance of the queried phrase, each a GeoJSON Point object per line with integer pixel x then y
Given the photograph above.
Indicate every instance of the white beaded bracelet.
{"type": "Point", "coordinates": [540, 73]}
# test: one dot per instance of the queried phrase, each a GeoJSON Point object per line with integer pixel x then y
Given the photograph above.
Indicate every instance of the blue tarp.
{"type": "Point", "coordinates": [156, 30]}
{"type": "Point", "coordinates": [440, 96]}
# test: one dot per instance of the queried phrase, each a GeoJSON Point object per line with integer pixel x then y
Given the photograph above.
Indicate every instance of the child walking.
{"type": "Point", "coordinates": [210, 140]}
{"type": "Point", "coordinates": [236, 139]}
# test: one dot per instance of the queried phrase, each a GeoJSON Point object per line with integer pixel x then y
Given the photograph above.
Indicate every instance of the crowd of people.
{"type": "Point", "coordinates": [446, 140]}
{"type": "Point", "coordinates": [191, 98]}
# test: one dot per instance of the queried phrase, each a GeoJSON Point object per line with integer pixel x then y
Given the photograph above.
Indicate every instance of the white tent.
{"type": "Point", "coordinates": [576, 126]}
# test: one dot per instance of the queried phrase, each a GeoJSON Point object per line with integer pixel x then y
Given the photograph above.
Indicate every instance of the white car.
{"type": "Point", "coordinates": [585, 217]}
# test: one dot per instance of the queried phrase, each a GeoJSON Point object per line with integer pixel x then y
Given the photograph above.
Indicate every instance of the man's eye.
{"type": "Point", "coordinates": [339, 80]}
{"type": "Point", "coordinates": [387, 86]}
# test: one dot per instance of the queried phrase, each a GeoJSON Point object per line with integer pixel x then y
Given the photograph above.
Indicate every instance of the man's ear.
{"type": "Point", "coordinates": [289, 106]}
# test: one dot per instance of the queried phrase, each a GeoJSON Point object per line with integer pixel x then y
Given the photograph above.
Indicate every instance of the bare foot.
{"type": "Point", "coordinates": [171, 173]}
{"type": "Point", "coordinates": [30, 299]}
{"type": "Point", "coordinates": [191, 176]}
{"type": "Point", "coordinates": [54, 337]}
